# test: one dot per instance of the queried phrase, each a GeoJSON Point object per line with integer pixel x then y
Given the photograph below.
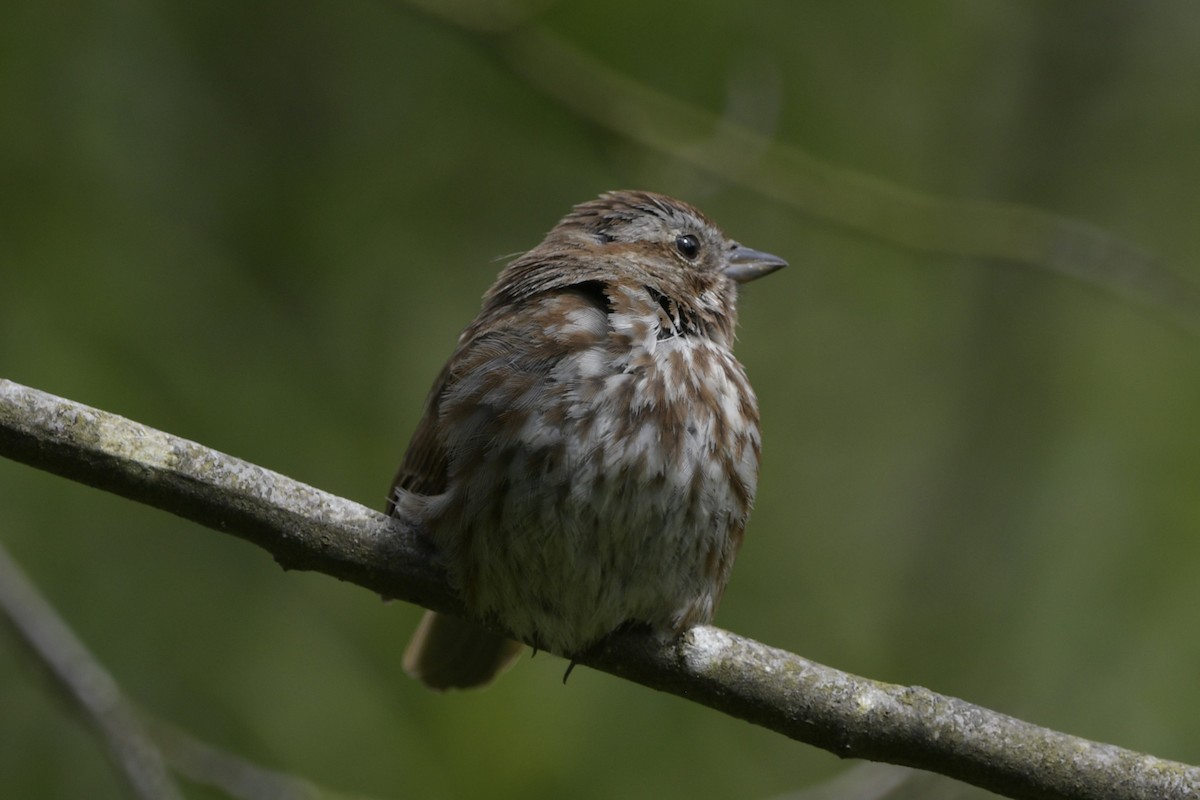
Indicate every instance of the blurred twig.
{"type": "Point", "coordinates": [1004, 233]}
{"type": "Point", "coordinates": [870, 781]}
{"type": "Point", "coordinates": [850, 716]}
{"type": "Point", "coordinates": [206, 764]}
{"type": "Point", "coordinates": [85, 681]}
{"type": "Point", "coordinates": [143, 746]}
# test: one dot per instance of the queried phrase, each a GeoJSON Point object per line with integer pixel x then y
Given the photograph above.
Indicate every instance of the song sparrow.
{"type": "Point", "coordinates": [589, 455]}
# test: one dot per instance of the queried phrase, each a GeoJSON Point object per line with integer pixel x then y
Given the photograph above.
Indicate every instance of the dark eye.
{"type": "Point", "coordinates": [687, 245]}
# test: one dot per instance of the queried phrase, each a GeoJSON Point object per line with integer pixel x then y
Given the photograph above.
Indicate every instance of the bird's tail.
{"type": "Point", "coordinates": [450, 653]}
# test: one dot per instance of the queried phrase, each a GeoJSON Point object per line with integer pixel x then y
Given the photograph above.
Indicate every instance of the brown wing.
{"type": "Point", "coordinates": [518, 339]}
{"type": "Point", "coordinates": [423, 470]}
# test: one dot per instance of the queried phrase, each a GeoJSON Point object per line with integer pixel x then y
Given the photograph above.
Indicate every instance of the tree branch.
{"type": "Point", "coordinates": [142, 746]}
{"type": "Point", "coordinates": [305, 528]}
{"type": "Point", "coordinates": [88, 686]}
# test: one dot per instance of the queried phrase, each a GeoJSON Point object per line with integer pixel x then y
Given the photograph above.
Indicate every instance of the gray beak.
{"type": "Point", "coordinates": [745, 264]}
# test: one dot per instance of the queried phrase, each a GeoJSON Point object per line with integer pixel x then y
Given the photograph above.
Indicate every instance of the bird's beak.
{"type": "Point", "coordinates": [745, 264]}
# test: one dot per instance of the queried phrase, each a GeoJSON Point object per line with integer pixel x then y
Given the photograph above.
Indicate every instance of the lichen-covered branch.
{"type": "Point", "coordinates": [305, 528]}
{"type": "Point", "coordinates": [301, 526]}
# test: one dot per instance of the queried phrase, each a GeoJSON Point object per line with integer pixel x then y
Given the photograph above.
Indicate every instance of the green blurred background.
{"type": "Point", "coordinates": [262, 225]}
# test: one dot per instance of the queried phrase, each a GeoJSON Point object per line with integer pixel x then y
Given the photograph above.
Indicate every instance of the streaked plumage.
{"type": "Point", "coordinates": [588, 457]}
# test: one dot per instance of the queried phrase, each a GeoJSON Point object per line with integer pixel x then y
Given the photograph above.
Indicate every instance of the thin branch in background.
{"type": "Point", "coordinates": [871, 781]}
{"type": "Point", "coordinates": [88, 685]}
{"type": "Point", "coordinates": [850, 716]}
{"type": "Point", "coordinates": [142, 745]}
{"type": "Point", "coordinates": [208, 765]}
{"type": "Point", "coordinates": [1003, 233]}
{"type": "Point", "coordinates": [853, 201]}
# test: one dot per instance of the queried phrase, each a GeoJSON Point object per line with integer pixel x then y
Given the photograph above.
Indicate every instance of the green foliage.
{"type": "Point", "coordinates": [261, 226]}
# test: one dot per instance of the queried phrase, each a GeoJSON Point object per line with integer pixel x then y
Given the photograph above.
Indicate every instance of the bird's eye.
{"type": "Point", "coordinates": [687, 245]}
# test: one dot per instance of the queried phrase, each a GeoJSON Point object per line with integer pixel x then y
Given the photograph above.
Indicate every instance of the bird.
{"type": "Point", "coordinates": [588, 457]}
